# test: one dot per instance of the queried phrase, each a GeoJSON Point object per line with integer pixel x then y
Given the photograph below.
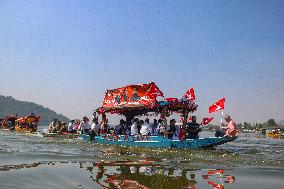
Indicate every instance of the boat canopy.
{"type": "Point", "coordinates": [29, 119]}
{"type": "Point", "coordinates": [141, 99]}
{"type": "Point", "coordinates": [10, 118]}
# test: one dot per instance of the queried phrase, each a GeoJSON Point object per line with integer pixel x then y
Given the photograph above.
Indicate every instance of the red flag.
{"type": "Point", "coordinates": [205, 121]}
{"type": "Point", "coordinates": [189, 94]}
{"type": "Point", "coordinates": [190, 118]}
{"type": "Point", "coordinates": [219, 105]}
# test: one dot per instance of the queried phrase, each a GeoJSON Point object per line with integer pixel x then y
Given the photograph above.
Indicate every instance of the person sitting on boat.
{"type": "Point", "coordinates": [127, 128]}
{"type": "Point", "coordinates": [154, 127]}
{"type": "Point", "coordinates": [119, 129]}
{"type": "Point", "coordinates": [84, 126]}
{"type": "Point", "coordinates": [111, 134]}
{"type": "Point", "coordinates": [231, 128]}
{"type": "Point", "coordinates": [172, 129]}
{"type": "Point", "coordinates": [192, 129]}
{"type": "Point", "coordinates": [161, 128]}
{"type": "Point", "coordinates": [95, 128]}
{"type": "Point", "coordinates": [61, 128]}
{"type": "Point", "coordinates": [10, 124]}
{"type": "Point", "coordinates": [104, 127]}
{"type": "Point", "coordinates": [52, 126]}
{"type": "Point", "coordinates": [139, 125]}
{"type": "Point", "coordinates": [146, 128]}
{"type": "Point", "coordinates": [134, 129]}
{"type": "Point", "coordinates": [71, 128]}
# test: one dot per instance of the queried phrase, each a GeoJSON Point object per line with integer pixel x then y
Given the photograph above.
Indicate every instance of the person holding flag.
{"type": "Point", "coordinates": [231, 128]}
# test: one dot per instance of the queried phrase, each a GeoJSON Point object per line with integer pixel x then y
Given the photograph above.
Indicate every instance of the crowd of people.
{"type": "Point", "coordinates": [139, 127]}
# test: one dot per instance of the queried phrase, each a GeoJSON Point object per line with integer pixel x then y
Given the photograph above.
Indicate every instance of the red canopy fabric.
{"type": "Point", "coordinates": [132, 96]}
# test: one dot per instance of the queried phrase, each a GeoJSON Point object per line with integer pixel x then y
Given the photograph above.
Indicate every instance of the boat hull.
{"type": "Point", "coordinates": [58, 135]}
{"type": "Point", "coordinates": [24, 129]}
{"type": "Point", "coordinates": [161, 142]}
{"type": "Point", "coordinates": [276, 135]}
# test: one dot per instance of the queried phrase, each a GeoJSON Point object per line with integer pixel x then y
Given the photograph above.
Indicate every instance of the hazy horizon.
{"type": "Point", "coordinates": [65, 54]}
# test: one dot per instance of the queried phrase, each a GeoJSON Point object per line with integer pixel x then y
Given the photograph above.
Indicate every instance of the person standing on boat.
{"type": "Point", "coordinates": [172, 129]}
{"type": "Point", "coordinates": [134, 129]}
{"type": "Point", "coordinates": [95, 128]}
{"type": "Point", "coordinates": [161, 127]}
{"type": "Point", "coordinates": [84, 126]}
{"type": "Point", "coordinates": [230, 129]}
{"type": "Point", "coordinates": [154, 127]}
{"type": "Point", "coordinates": [119, 128]}
{"type": "Point", "coordinates": [52, 126]}
{"type": "Point", "coordinates": [71, 127]}
{"type": "Point", "coordinates": [146, 128]}
{"type": "Point", "coordinates": [192, 129]}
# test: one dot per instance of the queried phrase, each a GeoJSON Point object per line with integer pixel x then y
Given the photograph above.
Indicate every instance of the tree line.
{"type": "Point", "coordinates": [248, 126]}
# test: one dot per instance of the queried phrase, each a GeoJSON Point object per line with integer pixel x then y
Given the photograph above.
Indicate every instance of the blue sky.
{"type": "Point", "coordinates": [65, 54]}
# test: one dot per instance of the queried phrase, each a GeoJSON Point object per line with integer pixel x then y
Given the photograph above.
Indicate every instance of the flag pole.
{"type": "Point", "coordinates": [222, 118]}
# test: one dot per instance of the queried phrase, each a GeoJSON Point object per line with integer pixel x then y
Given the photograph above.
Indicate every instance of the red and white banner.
{"type": "Point", "coordinates": [132, 95]}
{"type": "Point", "coordinates": [205, 121]}
{"type": "Point", "coordinates": [189, 94]}
{"type": "Point", "coordinates": [219, 105]}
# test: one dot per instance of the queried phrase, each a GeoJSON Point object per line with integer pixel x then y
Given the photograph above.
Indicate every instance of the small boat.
{"type": "Point", "coordinates": [275, 134]}
{"type": "Point", "coordinates": [159, 141]}
{"type": "Point", "coordinates": [60, 135]}
{"type": "Point", "coordinates": [27, 124]}
{"type": "Point", "coordinates": [141, 100]}
{"type": "Point", "coordinates": [8, 123]}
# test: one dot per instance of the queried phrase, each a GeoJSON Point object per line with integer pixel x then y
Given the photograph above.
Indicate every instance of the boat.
{"type": "Point", "coordinates": [159, 141]}
{"type": "Point", "coordinates": [27, 124]}
{"type": "Point", "coordinates": [45, 133]}
{"type": "Point", "coordinates": [8, 123]}
{"type": "Point", "coordinates": [142, 100]}
{"type": "Point", "coordinates": [277, 134]}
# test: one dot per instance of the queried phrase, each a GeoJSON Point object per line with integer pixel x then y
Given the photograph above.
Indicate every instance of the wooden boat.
{"type": "Point", "coordinates": [159, 141]}
{"type": "Point", "coordinates": [275, 134]}
{"type": "Point", "coordinates": [27, 124]}
{"type": "Point", "coordinates": [141, 100]}
{"type": "Point", "coordinates": [60, 135]}
{"type": "Point", "coordinates": [8, 123]}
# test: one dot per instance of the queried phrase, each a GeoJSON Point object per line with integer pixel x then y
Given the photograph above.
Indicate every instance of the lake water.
{"type": "Point", "coordinates": [31, 161]}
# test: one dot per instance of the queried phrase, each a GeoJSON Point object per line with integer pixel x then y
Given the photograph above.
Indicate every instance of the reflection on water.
{"type": "Point", "coordinates": [39, 162]}
{"type": "Point", "coordinates": [155, 176]}
{"type": "Point", "coordinates": [141, 174]}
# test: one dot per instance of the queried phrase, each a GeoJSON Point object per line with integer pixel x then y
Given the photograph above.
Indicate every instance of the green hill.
{"type": "Point", "coordinates": [9, 105]}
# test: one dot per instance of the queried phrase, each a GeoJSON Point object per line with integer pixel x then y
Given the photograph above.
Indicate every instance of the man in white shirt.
{"type": "Point", "coordinates": [71, 127]}
{"type": "Point", "coordinates": [84, 125]}
{"type": "Point", "coordinates": [134, 129]}
{"type": "Point", "coordinates": [146, 128]}
{"type": "Point", "coordinates": [95, 128]}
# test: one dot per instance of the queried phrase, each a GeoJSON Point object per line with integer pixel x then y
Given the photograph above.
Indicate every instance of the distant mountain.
{"type": "Point", "coordinates": [9, 105]}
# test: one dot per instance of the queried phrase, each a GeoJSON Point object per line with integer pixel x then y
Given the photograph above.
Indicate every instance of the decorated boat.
{"type": "Point", "coordinates": [27, 124]}
{"type": "Point", "coordinates": [8, 123]}
{"type": "Point", "coordinates": [143, 100]}
{"type": "Point", "coordinates": [278, 134]}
